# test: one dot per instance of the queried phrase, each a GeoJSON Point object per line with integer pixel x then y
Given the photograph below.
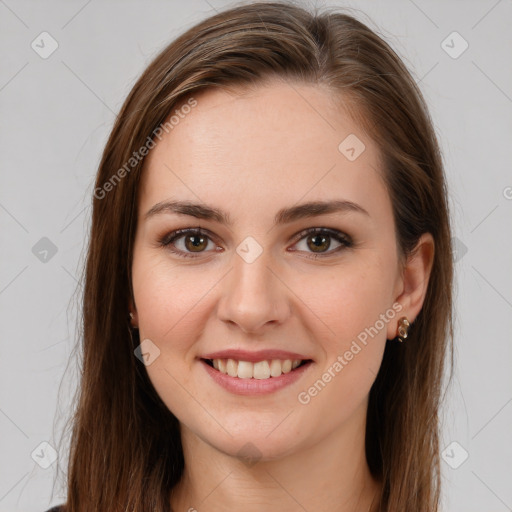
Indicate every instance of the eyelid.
{"type": "Point", "coordinates": [345, 240]}
{"type": "Point", "coordinates": [167, 240]}
{"type": "Point", "coordinates": [173, 235]}
{"type": "Point", "coordinates": [335, 233]}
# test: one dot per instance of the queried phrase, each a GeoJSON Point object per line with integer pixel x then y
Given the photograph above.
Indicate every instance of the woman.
{"type": "Point", "coordinates": [267, 301]}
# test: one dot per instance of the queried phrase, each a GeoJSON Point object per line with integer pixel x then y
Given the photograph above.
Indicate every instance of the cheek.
{"type": "Point", "coordinates": [351, 308]}
{"type": "Point", "coordinates": [168, 301]}
{"type": "Point", "coordinates": [170, 308]}
{"type": "Point", "coordinates": [349, 298]}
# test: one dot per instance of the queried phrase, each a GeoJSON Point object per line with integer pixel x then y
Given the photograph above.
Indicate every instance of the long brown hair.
{"type": "Point", "coordinates": [125, 452]}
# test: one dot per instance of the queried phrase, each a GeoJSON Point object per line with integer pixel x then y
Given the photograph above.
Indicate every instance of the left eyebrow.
{"type": "Point", "coordinates": [283, 216]}
{"type": "Point", "coordinates": [315, 208]}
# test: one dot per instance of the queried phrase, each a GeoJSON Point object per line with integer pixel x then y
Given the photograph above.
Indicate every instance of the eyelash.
{"type": "Point", "coordinates": [340, 237]}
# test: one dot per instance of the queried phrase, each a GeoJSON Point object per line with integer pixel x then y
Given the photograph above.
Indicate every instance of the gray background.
{"type": "Point", "coordinates": [56, 115]}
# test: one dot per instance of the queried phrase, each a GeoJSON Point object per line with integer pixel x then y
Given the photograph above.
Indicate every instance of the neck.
{"type": "Point", "coordinates": [330, 475]}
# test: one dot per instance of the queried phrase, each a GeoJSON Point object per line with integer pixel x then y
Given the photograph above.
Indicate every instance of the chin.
{"type": "Point", "coordinates": [251, 443]}
{"type": "Point", "coordinates": [251, 449]}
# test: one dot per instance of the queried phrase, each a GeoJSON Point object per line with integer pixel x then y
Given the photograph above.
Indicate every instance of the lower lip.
{"type": "Point", "coordinates": [255, 386]}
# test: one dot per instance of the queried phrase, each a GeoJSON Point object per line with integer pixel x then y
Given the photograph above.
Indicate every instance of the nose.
{"type": "Point", "coordinates": [253, 297]}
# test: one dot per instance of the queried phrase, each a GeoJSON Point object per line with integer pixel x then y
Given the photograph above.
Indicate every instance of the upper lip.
{"type": "Point", "coordinates": [254, 356]}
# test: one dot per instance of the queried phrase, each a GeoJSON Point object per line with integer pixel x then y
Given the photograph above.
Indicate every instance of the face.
{"type": "Point", "coordinates": [251, 282]}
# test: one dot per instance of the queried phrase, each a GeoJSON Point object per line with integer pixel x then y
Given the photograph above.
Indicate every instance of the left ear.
{"type": "Point", "coordinates": [415, 279]}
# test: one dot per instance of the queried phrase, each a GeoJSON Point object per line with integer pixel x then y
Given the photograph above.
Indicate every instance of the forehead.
{"type": "Point", "coordinates": [250, 148]}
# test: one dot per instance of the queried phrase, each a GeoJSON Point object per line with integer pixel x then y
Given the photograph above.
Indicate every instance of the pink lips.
{"type": "Point", "coordinates": [240, 386]}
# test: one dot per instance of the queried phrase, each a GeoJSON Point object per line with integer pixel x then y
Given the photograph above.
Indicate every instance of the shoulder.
{"type": "Point", "coordinates": [56, 509]}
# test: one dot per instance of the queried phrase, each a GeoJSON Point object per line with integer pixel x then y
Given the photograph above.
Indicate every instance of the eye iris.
{"type": "Point", "coordinates": [321, 240]}
{"type": "Point", "coordinates": [199, 243]}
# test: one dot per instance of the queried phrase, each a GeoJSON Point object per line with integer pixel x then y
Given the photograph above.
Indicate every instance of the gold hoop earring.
{"type": "Point", "coordinates": [403, 329]}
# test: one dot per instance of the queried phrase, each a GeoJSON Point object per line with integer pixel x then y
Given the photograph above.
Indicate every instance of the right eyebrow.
{"type": "Point", "coordinates": [196, 210]}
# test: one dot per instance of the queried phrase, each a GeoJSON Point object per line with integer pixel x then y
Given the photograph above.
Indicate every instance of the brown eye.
{"type": "Point", "coordinates": [318, 243]}
{"type": "Point", "coordinates": [185, 242]}
{"type": "Point", "coordinates": [196, 243]}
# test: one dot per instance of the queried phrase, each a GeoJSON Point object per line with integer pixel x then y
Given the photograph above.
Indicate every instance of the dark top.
{"type": "Point", "coordinates": [55, 509]}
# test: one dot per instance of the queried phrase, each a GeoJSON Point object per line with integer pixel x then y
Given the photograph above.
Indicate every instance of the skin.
{"type": "Point", "coordinates": [251, 153]}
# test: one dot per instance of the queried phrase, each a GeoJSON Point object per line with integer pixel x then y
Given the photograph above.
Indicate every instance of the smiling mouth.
{"type": "Point", "coordinates": [261, 370]}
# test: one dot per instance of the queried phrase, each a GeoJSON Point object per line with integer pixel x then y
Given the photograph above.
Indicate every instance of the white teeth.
{"type": "Point", "coordinates": [275, 368]}
{"type": "Point", "coordinates": [244, 370]}
{"type": "Point", "coordinates": [259, 370]}
{"type": "Point", "coordinates": [232, 368]}
{"type": "Point", "coordinates": [287, 366]}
